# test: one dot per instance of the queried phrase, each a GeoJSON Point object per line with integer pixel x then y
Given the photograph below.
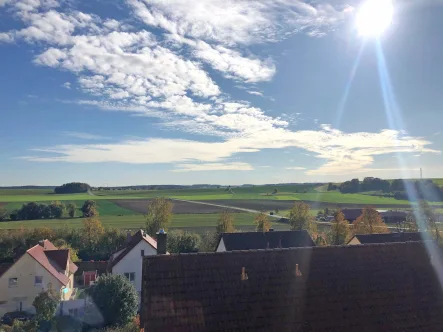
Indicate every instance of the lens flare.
{"type": "Point", "coordinates": [374, 17]}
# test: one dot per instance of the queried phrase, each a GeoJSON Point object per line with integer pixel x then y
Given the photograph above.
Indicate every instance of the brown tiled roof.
{"type": "Point", "coordinates": [391, 237]}
{"type": "Point", "coordinates": [54, 260]}
{"type": "Point", "coordinates": [267, 240]}
{"type": "Point", "coordinates": [140, 235]}
{"type": "Point", "coordinates": [379, 287]}
{"type": "Point", "coordinates": [99, 266]}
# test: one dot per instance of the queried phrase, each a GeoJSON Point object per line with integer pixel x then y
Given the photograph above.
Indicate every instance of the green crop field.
{"type": "Point", "coordinates": [105, 207]}
{"type": "Point", "coordinates": [195, 222]}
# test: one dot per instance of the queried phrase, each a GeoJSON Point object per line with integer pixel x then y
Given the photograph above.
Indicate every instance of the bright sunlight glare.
{"type": "Point", "coordinates": [374, 17]}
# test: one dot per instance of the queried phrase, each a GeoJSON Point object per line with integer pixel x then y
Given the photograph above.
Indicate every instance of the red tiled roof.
{"type": "Point", "coordinates": [54, 260]}
{"type": "Point", "coordinates": [378, 287]}
{"type": "Point", "coordinates": [135, 239]}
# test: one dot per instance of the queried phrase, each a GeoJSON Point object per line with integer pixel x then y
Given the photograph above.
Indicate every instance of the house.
{"type": "Point", "coordinates": [387, 238]}
{"type": "Point", "coordinates": [393, 217]}
{"type": "Point", "coordinates": [42, 267]}
{"type": "Point", "coordinates": [264, 240]}
{"type": "Point", "coordinates": [352, 214]}
{"type": "Point", "coordinates": [88, 271]}
{"type": "Point", "coordinates": [376, 287]}
{"type": "Point", "coordinates": [128, 261]}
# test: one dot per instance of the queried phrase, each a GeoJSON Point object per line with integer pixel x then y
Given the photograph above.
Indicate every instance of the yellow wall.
{"type": "Point", "coordinates": [25, 269]}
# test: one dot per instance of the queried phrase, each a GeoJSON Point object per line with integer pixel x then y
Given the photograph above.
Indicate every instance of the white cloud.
{"type": "Point", "coordinates": [236, 21]}
{"type": "Point", "coordinates": [213, 167]}
{"type": "Point", "coordinates": [85, 136]}
{"type": "Point", "coordinates": [256, 93]}
{"type": "Point", "coordinates": [295, 168]}
{"type": "Point", "coordinates": [343, 152]}
{"type": "Point", "coordinates": [67, 85]}
{"type": "Point", "coordinates": [6, 37]}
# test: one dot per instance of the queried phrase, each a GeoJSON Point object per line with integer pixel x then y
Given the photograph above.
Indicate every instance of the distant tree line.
{"type": "Point", "coordinates": [72, 188]}
{"type": "Point", "coordinates": [411, 190]}
{"type": "Point", "coordinates": [54, 210]}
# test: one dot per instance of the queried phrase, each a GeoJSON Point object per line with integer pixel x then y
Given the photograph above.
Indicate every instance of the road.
{"type": "Point", "coordinates": [275, 216]}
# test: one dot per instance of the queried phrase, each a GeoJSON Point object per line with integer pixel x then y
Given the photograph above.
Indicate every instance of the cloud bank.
{"type": "Point", "coordinates": [123, 66]}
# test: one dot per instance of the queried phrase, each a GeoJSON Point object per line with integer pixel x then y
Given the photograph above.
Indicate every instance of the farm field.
{"type": "Point", "coordinates": [192, 222]}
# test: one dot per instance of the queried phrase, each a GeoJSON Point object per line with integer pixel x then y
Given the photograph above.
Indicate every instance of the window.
{"type": "Point", "coordinates": [142, 253]}
{"type": "Point", "coordinates": [38, 280]}
{"type": "Point", "coordinates": [130, 276]}
{"type": "Point", "coordinates": [12, 282]}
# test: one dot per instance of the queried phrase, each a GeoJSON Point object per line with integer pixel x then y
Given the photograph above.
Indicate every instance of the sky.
{"type": "Point", "coordinates": [217, 91]}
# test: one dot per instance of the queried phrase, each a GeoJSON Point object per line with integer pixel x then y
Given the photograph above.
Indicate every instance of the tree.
{"type": "Point", "coordinates": [57, 209]}
{"type": "Point", "coordinates": [71, 210]}
{"type": "Point", "coordinates": [275, 191]}
{"type": "Point", "coordinates": [299, 216]}
{"type": "Point", "coordinates": [116, 298]}
{"type": "Point", "coordinates": [209, 241]}
{"type": "Point", "coordinates": [339, 233]}
{"type": "Point", "coordinates": [429, 219]}
{"type": "Point", "coordinates": [61, 244]}
{"type": "Point", "coordinates": [4, 215]}
{"type": "Point", "coordinates": [262, 222]}
{"type": "Point", "coordinates": [89, 209]}
{"type": "Point", "coordinates": [225, 223]}
{"type": "Point", "coordinates": [72, 188]}
{"type": "Point", "coordinates": [180, 241]}
{"type": "Point", "coordinates": [159, 215]}
{"type": "Point", "coordinates": [410, 224]}
{"type": "Point", "coordinates": [45, 305]}
{"type": "Point", "coordinates": [92, 233]}
{"type": "Point", "coordinates": [369, 222]}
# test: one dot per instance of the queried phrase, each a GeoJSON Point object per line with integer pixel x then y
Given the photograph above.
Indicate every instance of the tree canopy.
{"type": "Point", "coordinates": [339, 233]}
{"type": "Point", "coordinates": [300, 216]}
{"type": "Point", "coordinates": [225, 223]}
{"type": "Point", "coordinates": [262, 222]}
{"type": "Point", "coordinates": [370, 222]}
{"type": "Point", "coordinates": [72, 188]}
{"type": "Point", "coordinates": [159, 215]}
{"type": "Point", "coordinates": [116, 298]}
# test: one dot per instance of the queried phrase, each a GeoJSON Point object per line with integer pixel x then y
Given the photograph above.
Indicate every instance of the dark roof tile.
{"type": "Point", "coordinates": [384, 287]}
{"type": "Point", "coordinates": [391, 237]}
{"type": "Point", "coordinates": [267, 240]}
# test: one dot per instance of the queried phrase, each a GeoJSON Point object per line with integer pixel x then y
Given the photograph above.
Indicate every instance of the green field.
{"type": "Point", "coordinates": [195, 222]}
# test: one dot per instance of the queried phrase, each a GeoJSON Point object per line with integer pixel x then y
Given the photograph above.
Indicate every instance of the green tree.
{"type": "Point", "coordinates": [180, 241]}
{"type": "Point", "coordinates": [62, 244]}
{"type": "Point", "coordinates": [262, 222]}
{"type": "Point", "coordinates": [57, 209]}
{"type": "Point", "coordinates": [71, 210]}
{"type": "Point", "coordinates": [209, 241]}
{"type": "Point", "coordinates": [370, 222]}
{"type": "Point", "coordinates": [225, 223]}
{"type": "Point", "coordinates": [429, 219]}
{"type": "Point", "coordinates": [92, 233]}
{"type": "Point", "coordinates": [300, 217]}
{"type": "Point", "coordinates": [339, 232]}
{"type": "Point", "coordinates": [4, 214]}
{"type": "Point", "coordinates": [89, 209]}
{"type": "Point", "coordinates": [116, 298]}
{"type": "Point", "coordinates": [159, 215]}
{"type": "Point", "coordinates": [45, 305]}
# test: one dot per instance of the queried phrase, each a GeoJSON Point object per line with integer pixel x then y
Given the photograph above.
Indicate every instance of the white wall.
{"type": "Point", "coordinates": [354, 241]}
{"type": "Point", "coordinates": [25, 270]}
{"type": "Point", "coordinates": [221, 246]}
{"type": "Point", "coordinates": [132, 262]}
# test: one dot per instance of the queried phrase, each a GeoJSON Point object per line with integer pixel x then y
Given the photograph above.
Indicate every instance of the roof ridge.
{"type": "Point", "coordinates": [353, 247]}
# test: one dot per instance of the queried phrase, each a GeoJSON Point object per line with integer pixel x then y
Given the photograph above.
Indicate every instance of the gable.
{"type": "Point", "coordinates": [133, 256]}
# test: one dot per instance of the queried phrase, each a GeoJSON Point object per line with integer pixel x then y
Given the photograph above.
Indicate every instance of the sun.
{"type": "Point", "coordinates": [374, 17]}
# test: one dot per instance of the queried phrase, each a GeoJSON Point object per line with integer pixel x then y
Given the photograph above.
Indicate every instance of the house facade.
{"type": "Point", "coordinates": [129, 260]}
{"type": "Point", "coordinates": [42, 267]}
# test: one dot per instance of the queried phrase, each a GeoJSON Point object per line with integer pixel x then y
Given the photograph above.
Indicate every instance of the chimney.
{"type": "Point", "coordinates": [128, 236]}
{"type": "Point", "coordinates": [161, 242]}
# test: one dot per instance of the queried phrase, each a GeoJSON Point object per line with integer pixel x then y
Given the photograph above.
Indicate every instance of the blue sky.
{"type": "Point", "coordinates": [217, 91]}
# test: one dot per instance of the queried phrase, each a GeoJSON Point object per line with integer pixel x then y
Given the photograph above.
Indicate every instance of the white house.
{"type": "Point", "coordinates": [128, 261]}
{"type": "Point", "coordinates": [42, 267]}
